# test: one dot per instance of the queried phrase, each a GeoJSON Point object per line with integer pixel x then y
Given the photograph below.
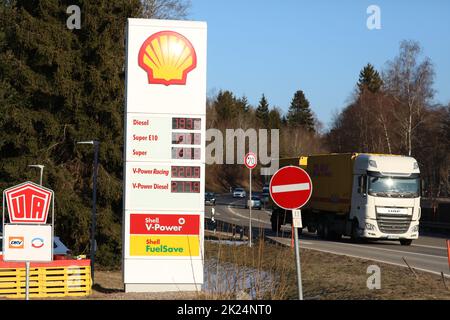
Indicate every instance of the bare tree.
{"type": "Point", "coordinates": [165, 9]}
{"type": "Point", "coordinates": [410, 84]}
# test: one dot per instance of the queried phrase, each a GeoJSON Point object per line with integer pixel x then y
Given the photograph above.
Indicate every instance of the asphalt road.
{"type": "Point", "coordinates": [428, 253]}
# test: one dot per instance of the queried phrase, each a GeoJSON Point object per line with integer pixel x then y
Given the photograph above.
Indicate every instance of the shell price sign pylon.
{"type": "Point", "coordinates": [164, 173]}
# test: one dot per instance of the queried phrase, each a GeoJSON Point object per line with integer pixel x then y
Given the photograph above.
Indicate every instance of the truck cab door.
{"type": "Point", "coordinates": [359, 199]}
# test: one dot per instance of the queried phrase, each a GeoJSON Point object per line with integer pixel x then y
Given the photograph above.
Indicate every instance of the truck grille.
{"type": "Point", "coordinates": [389, 223]}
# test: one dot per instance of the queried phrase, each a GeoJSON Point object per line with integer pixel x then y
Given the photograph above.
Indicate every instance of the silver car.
{"type": "Point", "coordinates": [239, 193]}
{"type": "Point", "coordinates": [255, 203]}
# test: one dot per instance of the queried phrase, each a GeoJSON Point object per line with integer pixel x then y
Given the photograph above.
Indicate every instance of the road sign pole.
{"type": "Point", "coordinates": [94, 213]}
{"type": "Point", "coordinates": [27, 280]}
{"type": "Point", "coordinates": [297, 263]}
{"type": "Point", "coordinates": [250, 213]}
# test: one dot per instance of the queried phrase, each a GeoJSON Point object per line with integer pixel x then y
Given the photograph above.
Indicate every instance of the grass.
{"type": "Point", "coordinates": [328, 276]}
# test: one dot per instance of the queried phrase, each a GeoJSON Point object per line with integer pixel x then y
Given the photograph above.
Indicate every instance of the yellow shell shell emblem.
{"type": "Point", "coordinates": [167, 57]}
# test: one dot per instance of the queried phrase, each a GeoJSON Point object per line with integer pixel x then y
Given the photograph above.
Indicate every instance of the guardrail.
{"type": "Point", "coordinates": [434, 226]}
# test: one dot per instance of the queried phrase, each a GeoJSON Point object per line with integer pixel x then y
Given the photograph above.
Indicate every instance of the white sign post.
{"type": "Point", "coordinates": [26, 236]}
{"type": "Point", "coordinates": [250, 161]}
{"type": "Point", "coordinates": [164, 171]}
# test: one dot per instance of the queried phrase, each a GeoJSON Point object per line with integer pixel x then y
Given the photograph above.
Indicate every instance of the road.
{"type": "Point", "coordinates": [428, 253]}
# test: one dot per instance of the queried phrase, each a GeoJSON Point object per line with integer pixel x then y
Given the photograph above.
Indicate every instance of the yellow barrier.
{"type": "Point", "coordinates": [46, 282]}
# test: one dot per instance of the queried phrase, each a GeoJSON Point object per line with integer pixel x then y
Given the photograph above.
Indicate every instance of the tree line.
{"type": "Point", "coordinates": [298, 129]}
{"type": "Point", "coordinates": [392, 112]}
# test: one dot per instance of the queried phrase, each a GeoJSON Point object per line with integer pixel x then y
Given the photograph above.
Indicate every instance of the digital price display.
{"type": "Point", "coordinates": [186, 123]}
{"type": "Point", "coordinates": [186, 138]}
{"type": "Point", "coordinates": [185, 172]}
{"type": "Point", "coordinates": [186, 153]}
{"type": "Point", "coordinates": [185, 186]}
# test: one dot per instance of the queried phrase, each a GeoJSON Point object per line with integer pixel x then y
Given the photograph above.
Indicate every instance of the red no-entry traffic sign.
{"type": "Point", "coordinates": [290, 187]}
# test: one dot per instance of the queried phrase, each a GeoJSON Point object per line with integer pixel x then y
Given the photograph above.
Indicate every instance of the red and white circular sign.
{"type": "Point", "coordinates": [290, 187]}
{"type": "Point", "coordinates": [250, 160]}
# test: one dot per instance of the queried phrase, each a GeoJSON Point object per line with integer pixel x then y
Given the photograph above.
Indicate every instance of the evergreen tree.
{"type": "Point", "coordinates": [300, 114]}
{"type": "Point", "coordinates": [226, 105]}
{"type": "Point", "coordinates": [369, 79]}
{"type": "Point", "coordinates": [243, 104]}
{"type": "Point", "coordinates": [262, 112]}
{"type": "Point", "coordinates": [275, 121]}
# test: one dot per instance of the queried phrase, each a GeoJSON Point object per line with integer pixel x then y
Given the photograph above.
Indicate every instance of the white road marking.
{"type": "Point", "coordinates": [290, 187]}
{"type": "Point", "coordinates": [426, 246]}
{"type": "Point", "coordinates": [397, 251]}
{"type": "Point", "coordinates": [245, 217]}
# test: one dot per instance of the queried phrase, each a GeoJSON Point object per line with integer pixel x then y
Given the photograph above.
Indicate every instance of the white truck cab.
{"type": "Point", "coordinates": [386, 197]}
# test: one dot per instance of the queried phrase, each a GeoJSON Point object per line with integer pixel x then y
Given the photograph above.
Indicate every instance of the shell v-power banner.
{"type": "Point", "coordinates": [164, 170]}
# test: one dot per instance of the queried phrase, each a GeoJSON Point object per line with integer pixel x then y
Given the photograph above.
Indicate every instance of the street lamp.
{"type": "Point", "coordinates": [39, 166]}
{"type": "Point", "coordinates": [94, 202]}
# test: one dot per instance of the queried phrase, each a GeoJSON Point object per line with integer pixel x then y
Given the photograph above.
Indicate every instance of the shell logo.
{"type": "Point", "coordinates": [167, 57]}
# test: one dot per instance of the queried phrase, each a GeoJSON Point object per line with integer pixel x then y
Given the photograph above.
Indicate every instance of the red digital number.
{"type": "Point", "coordinates": [182, 123]}
{"type": "Point", "coordinates": [174, 172]}
{"type": "Point", "coordinates": [182, 172]}
{"type": "Point", "coordinates": [189, 124]}
{"type": "Point", "coordinates": [196, 187]}
{"type": "Point", "coordinates": [196, 172]}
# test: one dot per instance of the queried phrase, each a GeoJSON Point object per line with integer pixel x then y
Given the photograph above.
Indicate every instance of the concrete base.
{"type": "Point", "coordinates": [145, 287]}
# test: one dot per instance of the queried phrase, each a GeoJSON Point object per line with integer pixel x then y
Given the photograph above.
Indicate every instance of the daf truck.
{"type": "Point", "coordinates": [364, 196]}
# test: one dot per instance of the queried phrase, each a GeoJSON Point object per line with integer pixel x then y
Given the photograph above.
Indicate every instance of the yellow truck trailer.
{"type": "Point", "coordinates": [371, 196]}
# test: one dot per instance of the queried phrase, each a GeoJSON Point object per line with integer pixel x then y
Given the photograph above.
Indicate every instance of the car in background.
{"type": "Point", "coordinates": [239, 193]}
{"type": "Point", "coordinates": [254, 203]}
{"type": "Point", "coordinates": [265, 191]}
{"type": "Point", "coordinates": [210, 198]}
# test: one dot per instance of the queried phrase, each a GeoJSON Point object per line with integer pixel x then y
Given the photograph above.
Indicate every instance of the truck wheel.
{"type": "Point", "coordinates": [320, 230]}
{"type": "Point", "coordinates": [326, 232]}
{"type": "Point", "coordinates": [405, 242]}
{"type": "Point", "coordinates": [355, 237]}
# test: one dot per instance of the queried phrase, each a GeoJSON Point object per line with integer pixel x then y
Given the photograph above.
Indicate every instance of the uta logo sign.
{"type": "Point", "coordinates": [28, 203]}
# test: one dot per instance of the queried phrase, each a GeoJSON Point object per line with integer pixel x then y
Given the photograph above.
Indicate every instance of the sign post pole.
{"type": "Point", "coordinates": [250, 162]}
{"type": "Point", "coordinates": [295, 226]}
{"type": "Point", "coordinates": [27, 280]}
{"type": "Point", "coordinates": [290, 188]}
{"type": "Point", "coordinates": [250, 213]}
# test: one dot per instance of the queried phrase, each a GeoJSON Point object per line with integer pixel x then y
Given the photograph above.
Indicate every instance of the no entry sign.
{"type": "Point", "coordinates": [290, 187]}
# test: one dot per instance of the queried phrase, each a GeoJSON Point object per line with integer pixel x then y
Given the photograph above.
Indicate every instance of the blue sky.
{"type": "Point", "coordinates": [278, 47]}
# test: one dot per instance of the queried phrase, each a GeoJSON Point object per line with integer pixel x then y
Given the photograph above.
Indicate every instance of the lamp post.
{"type": "Point", "coordinates": [41, 167]}
{"type": "Point", "coordinates": [27, 263]}
{"type": "Point", "coordinates": [94, 203]}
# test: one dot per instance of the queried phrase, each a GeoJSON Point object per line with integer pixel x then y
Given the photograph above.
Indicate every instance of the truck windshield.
{"type": "Point", "coordinates": [394, 187]}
